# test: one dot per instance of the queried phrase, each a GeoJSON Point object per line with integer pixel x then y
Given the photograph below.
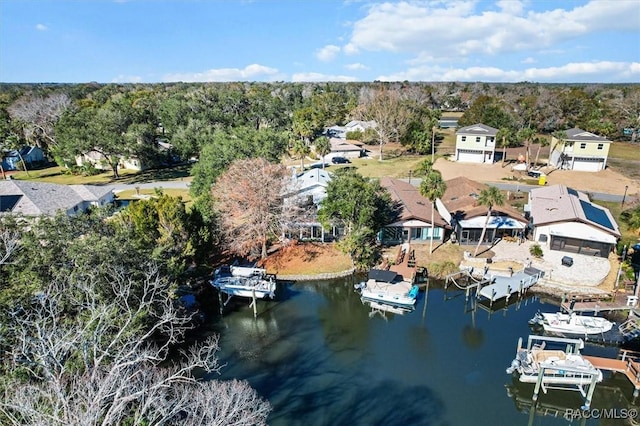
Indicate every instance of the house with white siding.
{"type": "Point", "coordinates": [476, 144]}
{"type": "Point", "coordinates": [566, 220]}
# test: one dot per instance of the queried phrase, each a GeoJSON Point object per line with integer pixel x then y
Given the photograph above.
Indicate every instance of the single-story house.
{"type": "Point", "coordinates": [99, 161]}
{"type": "Point", "coordinates": [476, 143]}
{"type": "Point", "coordinates": [38, 198]}
{"type": "Point", "coordinates": [346, 148]}
{"type": "Point", "coordinates": [413, 220]}
{"type": "Point", "coordinates": [30, 154]}
{"type": "Point", "coordinates": [459, 205]}
{"type": "Point", "coordinates": [340, 132]}
{"type": "Point", "coordinates": [566, 220]}
{"type": "Point", "coordinates": [579, 150]}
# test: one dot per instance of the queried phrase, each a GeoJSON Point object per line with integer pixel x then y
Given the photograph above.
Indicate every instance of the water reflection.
{"type": "Point", "coordinates": [320, 358]}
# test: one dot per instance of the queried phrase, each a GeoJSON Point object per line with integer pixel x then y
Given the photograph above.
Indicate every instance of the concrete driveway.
{"type": "Point", "coordinates": [586, 273]}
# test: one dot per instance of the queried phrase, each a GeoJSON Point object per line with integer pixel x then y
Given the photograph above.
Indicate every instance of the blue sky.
{"type": "Point", "coordinates": [319, 40]}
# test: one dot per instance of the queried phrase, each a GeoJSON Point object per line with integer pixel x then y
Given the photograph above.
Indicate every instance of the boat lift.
{"type": "Point", "coordinates": [550, 376]}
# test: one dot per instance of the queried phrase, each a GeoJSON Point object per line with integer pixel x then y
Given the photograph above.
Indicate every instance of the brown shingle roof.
{"type": "Point", "coordinates": [462, 196]}
{"type": "Point", "coordinates": [413, 205]}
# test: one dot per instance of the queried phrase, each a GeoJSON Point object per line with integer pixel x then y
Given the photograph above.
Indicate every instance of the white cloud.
{"type": "Point", "coordinates": [357, 66]}
{"type": "Point", "coordinates": [127, 79]}
{"type": "Point", "coordinates": [253, 72]}
{"type": "Point", "coordinates": [528, 60]}
{"type": "Point", "coordinates": [327, 53]}
{"type": "Point", "coordinates": [41, 27]}
{"type": "Point", "coordinates": [316, 76]}
{"type": "Point", "coordinates": [457, 29]}
{"type": "Point", "coordinates": [512, 7]}
{"type": "Point", "coordinates": [572, 72]}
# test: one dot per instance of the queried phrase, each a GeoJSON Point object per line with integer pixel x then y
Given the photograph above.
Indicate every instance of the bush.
{"type": "Point", "coordinates": [536, 250]}
{"type": "Point", "coordinates": [441, 269]}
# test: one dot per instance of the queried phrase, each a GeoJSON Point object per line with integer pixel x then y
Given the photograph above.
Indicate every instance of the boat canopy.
{"type": "Point", "coordinates": [382, 275]}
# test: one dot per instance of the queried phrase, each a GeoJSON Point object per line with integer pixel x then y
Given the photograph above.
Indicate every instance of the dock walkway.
{"type": "Point", "coordinates": [505, 286]}
{"type": "Point", "coordinates": [628, 366]}
{"type": "Point", "coordinates": [619, 301]}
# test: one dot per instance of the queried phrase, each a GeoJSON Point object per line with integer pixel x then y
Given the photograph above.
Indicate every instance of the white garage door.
{"type": "Point", "coordinates": [588, 164]}
{"type": "Point", "coordinates": [467, 156]}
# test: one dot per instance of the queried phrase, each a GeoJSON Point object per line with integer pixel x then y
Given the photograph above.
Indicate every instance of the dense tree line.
{"type": "Point", "coordinates": [126, 120]}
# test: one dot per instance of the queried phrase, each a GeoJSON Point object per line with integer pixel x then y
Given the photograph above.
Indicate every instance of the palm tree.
{"type": "Point", "coordinates": [560, 136]}
{"type": "Point", "coordinates": [323, 147]}
{"type": "Point", "coordinates": [488, 197]}
{"type": "Point", "coordinates": [302, 149]}
{"type": "Point", "coordinates": [424, 167]}
{"type": "Point", "coordinates": [542, 141]}
{"type": "Point", "coordinates": [432, 187]}
{"type": "Point", "coordinates": [527, 134]}
{"type": "Point", "coordinates": [504, 136]}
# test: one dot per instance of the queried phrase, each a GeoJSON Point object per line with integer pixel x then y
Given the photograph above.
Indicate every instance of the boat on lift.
{"type": "Point", "coordinates": [244, 281]}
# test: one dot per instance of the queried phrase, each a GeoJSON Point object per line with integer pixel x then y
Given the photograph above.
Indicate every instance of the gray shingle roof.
{"type": "Point", "coordinates": [40, 198]}
{"type": "Point", "coordinates": [579, 135]}
{"type": "Point", "coordinates": [477, 130]}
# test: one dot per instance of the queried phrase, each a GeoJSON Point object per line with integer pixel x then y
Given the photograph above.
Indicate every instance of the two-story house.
{"type": "Point", "coordinates": [476, 144]}
{"type": "Point", "coordinates": [302, 196]}
{"type": "Point", "coordinates": [579, 150]}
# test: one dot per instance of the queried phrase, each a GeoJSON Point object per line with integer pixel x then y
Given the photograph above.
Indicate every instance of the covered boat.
{"type": "Point", "coordinates": [244, 282]}
{"type": "Point", "coordinates": [571, 324]}
{"type": "Point", "coordinates": [385, 287]}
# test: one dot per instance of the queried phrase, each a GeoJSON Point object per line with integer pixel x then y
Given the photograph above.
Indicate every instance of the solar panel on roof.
{"type": "Point", "coordinates": [596, 215]}
{"type": "Point", "coordinates": [572, 191]}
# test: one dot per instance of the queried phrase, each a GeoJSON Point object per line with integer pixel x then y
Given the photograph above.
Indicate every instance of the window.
{"type": "Point", "coordinates": [477, 138]}
{"type": "Point", "coordinates": [464, 138]}
{"type": "Point", "coordinates": [583, 145]}
{"type": "Point", "coordinates": [600, 145]}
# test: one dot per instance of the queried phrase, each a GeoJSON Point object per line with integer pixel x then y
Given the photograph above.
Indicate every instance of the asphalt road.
{"type": "Point", "coordinates": [514, 187]}
{"type": "Point", "coordinates": [414, 181]}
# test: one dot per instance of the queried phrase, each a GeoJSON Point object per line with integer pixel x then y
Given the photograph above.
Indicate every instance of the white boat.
{"type": "Point", "coordinates": [566, 367]}
{"type": "Point", "coordinates": [244, 282]}
{"type": "Point", "coordinates": [571, 324]}
{"type": "Point", "coordinates": [385, 288]}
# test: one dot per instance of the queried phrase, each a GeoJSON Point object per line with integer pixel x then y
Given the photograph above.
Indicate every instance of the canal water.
{"type": "Point", "coordinates": [321, 357]}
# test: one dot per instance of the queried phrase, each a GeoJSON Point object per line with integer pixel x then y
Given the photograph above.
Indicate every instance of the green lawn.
{"type": "Point", "coordinates": [629, 236]}
{"type": "Point", "coordinates": [397, 167]}
{"type": "Point", "coordinates": [624, 151]}
{"type": "Point", "coordinates": [132, 194]}
{"type": "Point", "coordinates": [56, 175]}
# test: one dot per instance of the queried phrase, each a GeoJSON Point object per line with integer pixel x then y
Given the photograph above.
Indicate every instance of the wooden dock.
{"type": "Point", "coordinates": [627, 365]}
{"type": "Point", "coordinates": [405, 263]}
{"type": "Point", "coordinates": [618, 301]}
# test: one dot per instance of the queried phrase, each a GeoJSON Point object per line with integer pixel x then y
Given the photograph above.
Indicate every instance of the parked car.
{"type": "Point", "coordinates": [535, 173]}
{"type": "Point", "coordinates": [340, 160]}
